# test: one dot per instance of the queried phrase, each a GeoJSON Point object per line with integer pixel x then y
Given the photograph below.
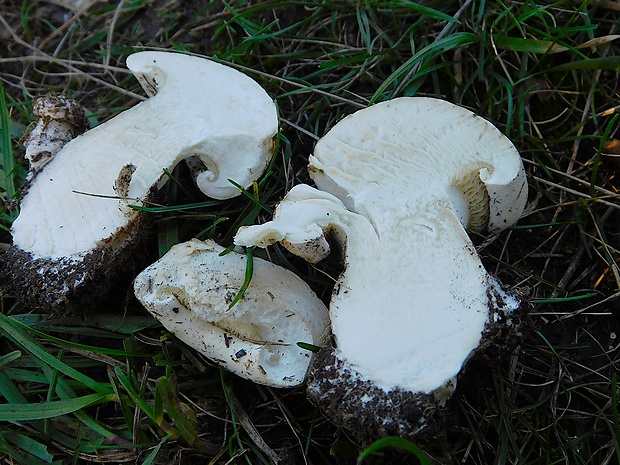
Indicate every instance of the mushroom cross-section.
{"type": "Point", "coordinates": [76, 213]}
{"type": "Point", "coordinates": [191, 289]}
{"type": "Point", "coordinates": [399, 182]}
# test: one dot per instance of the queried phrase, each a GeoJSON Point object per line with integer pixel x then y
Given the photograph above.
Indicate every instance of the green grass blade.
{"type": "Point", "coordinates": [129, 385]}
{"type": "Point", "coordinates": [418, 7]}
{"type": "Point", "coordinates": [8, 163]}
{"type": "Point", "coordinates": [452, 42]}
{"type": "Point", "coordinates": [50, 409]}
{"type": "Point", "coordinates": [518, 44]}
{"type": "Point", "coordinates": [10, 391]}
{"type": "Point", "coordinates": [127, 410]}
{"type": "Point", "coordinates": [564, 299]}
{"type": "Point", "coordinates": [103, 325]}
{"type": "Point", "coordinates": [17, 455]}
{"type": "Point", "coordinates": [167, 236]}
{"type": "Point", "coordinates": [75, 345]}
{"type": "Point", "coordinates": [249, 272]}
{"type": "Point", "coordinates": [10, 357]}
{"type": "Point", "coordinates": [183, 417]}
{"type": "Point", "coordinates": [151, 457]}
{"type": "Point", "coordinates": [66, 393]}
{"type": "Point", "coordinates": [177, 208]}
{"type": "Point", "coordinates": [591, 64]}
{"type": "Point", "coordinates": [12, 329]}
{"type": "Point", "coordinates": [399, 443]}
{"type": "Point", "coordinates": [309, 347]}
{"type": "Point", "coordinates": [40, 451]}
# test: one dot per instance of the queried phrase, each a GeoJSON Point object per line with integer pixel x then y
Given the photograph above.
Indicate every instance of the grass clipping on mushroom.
{"type": "Point", "coordinates": [398, 183]}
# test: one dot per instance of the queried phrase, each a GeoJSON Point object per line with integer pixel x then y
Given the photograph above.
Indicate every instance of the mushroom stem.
{"type": "Point", "coordinates": [438, 275]}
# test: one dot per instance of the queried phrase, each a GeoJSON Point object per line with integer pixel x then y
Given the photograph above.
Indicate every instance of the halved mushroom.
{"type": "Point", "coordinates": [191, 291]}
{"type": "Point", "coordinates": [76, 216]}
{"type": "Point", "coordinates": [399, 182]}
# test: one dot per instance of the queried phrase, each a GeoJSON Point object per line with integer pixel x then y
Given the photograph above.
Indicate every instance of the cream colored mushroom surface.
{"type": "Point", "coordinates": [398, 184]}
{"type": "Point", "coordinates": [77, 212]}
{"type": "Point", "coordinates": [191, 290]}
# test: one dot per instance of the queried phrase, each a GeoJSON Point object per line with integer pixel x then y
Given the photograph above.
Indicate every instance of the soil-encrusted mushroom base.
{"type": "Point", "coordinates": [370, 412]}
{"type": "Point", "coordinates": [361, 407]}
{"type": "Point", "coordinates": [68, 286]}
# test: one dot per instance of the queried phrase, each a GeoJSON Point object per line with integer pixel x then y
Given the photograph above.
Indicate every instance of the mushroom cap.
{"type": "Point", "coordinates": [190, 290]}
{"type": "Point", "coordinates": [229, 116]}
{"type": "Point", "coordinates": [411, 150]}
{"type": "Point", "coordinates": [198, 108]}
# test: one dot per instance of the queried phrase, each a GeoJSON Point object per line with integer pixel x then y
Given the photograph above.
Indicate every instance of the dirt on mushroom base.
{"type": "Point", "coordinates": [369, 412]}
{"type": "Point", "coordinates": [65, 286]}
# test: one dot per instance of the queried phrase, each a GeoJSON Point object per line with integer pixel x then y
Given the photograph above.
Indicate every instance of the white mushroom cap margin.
{"type": "Point", "coordinates": [414, 299]}
{"type": "Point", "coordinates": [190, 289]}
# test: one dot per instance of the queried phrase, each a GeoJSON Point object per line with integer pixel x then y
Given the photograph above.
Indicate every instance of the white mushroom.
{"type": "Point", "coordinates": [191, 289]}
{"type": "Point", "coordinates": [59, 119]}
{"type": "Point", "coordinates": [399, 183]}
{"type": "Point", "coordinates": [76, 214]}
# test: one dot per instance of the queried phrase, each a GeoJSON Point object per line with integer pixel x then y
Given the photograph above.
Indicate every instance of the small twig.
{"type": "Point", "coordinates": [66, 62]}
{"type": "Point", "coordinates": [570, 271]}
{"type": "Point", "coordinates": [580, 194]}
{"type": "Point", "coordinates": [137, 417]}
{"type": "Point", "coordinates": [578, 180]}
{"type": "Point", "coordinates": [299, 128]}
{"type": "Point", "coordinates": [287, 417]}
{"type": "Point", "coordinates": [71, 68]}
{"type": "Point", "coordinates": [65, 26]}
{"type": "Point", "coordinates": [609, 299]}
{"type": "Point", "coordinates": [102, 196]}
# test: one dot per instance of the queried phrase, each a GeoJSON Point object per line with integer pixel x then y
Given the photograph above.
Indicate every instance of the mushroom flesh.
{"type": "Point", "coordinates": [77, 214]}
{"type": "Point", "coordinates": [398, 183]}
{"type": "Point", "coordinates": [192, 289]}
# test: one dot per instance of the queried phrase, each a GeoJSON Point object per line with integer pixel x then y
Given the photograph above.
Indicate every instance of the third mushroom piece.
{"type": "Point", "coordinates": [398, 184]}
{"type": "Point", "coordinates": [193, 290]}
